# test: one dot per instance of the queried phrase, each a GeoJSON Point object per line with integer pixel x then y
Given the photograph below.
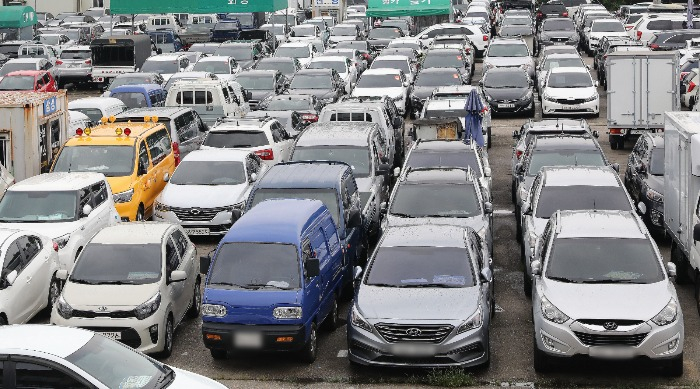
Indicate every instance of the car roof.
{"type": "Point", "coordinates": [132, 233]}
{"type": "Point", "coordinates": [328, 134]}
{"type": "Point", "coordinates": [330, 58]}
{"type": "Point", "coordinates": [58, 181]}
{"type": "Point", "coordinates": [258, 72]}
{"type": "Point", "coordinates": [215, 58]}
{"type": "Point", "coordinates": [438, 70]}
{"type": "Point", "coordinates": [598, 224]}
{"type": "Point", "coordinates": [55, 340]}
{"type": "Point", "coordinates": [91, 102]}
{"type": "Point", "coordinates": [564, 142]}
{"type": "Point", "coordinates": [304, 175]}
{"type": "Point", "coordinates": [161, 112]}
{"type": "Point", "coordinates": [580, 175]}
{"type": "Point", "coordinates": [26, 73]}
{"type": "Point", "coordinates": [165, 57]}
{"type": "Point", "coordinates": [295, 44]}
{"type": "Point", "coordinates": [437, 175]}
{"type": "Point", "coordinates": [569, 69]}
{"type": "Point", "coordinates": [424, 235]}
{"type": "Point", "coordinates": [214, 155]}
{"type": "Point", "coordinates": [392, 57]}
{"type": "Point", "coordinates": [382, 71]}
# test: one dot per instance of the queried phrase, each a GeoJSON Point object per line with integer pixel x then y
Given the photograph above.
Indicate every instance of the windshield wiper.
{"type": "Point", "coordinates": [388, 285]}
{"type": "Point", "coordinates": [562, 279]}
{"type": "Point", "coordinates": [611, 281]}
{"type": "Point", "coordinates": [86, 282]}
{"type": "Point", "coordinates": [166, 378]}
{"type": "Point", "coordinates": [432, 285]}
{"type": "Point", "coordinates": [266, 286]}
{"type": "Point", "coordinates": [113, 283]}
{"type": "Point", "coordinates": [230, 284]}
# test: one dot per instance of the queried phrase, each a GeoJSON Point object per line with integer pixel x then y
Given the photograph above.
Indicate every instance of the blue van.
{"type": "Point", "coordinates": [331, 182]}
{"type": "Point", "coordinates": [274, 278]}
{"type": "Point", "coordinates": [166, 40]}
{"type": "Point", "coordinates": [140, 95]}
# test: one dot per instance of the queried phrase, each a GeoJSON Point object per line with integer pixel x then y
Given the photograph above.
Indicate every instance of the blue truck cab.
{"type": "Point", "coordinates": [140, 95]}
{"type": "Point", "coordinates": [274, 278]}
{"type": "Point", "coordinates": [331, 182]}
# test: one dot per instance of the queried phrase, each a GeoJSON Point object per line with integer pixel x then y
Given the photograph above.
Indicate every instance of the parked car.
{"type": "Point", "coordinates": [385, 82]}
{"type": "Point", "coordinates": [133, 79]}
{"type": "Point", "coordinates": [97, 108]}
{"type": "Point", "coordinates": [557, 31]}
{"type": "Point", "coordinates": [508, 52]}
{"type": "Point", "coordinates": [29, 80]}
{"type": "Point", "coordinates": [288, 66]}
{"type": "Point", "coordinates": [570, 91]}
{"type": "Point", "coordinates": [247, 54]}
{"type": "Point", "coordinates": [74, 65]}
{"type": "Point", "coordinates": [307, 106]}
{"type": "Point", "coordinates": [508, 90]}
{"type": "Point", "coordinates": [427, 81]}
{"type": "Point", "coordinates": [325, 84]}
{"type": "Point", "coordinates": [261, 84]}
{"type": "Point", "coordinates": [644, 179]}
{"type": "Point", "coordinates": [223, 67]}
{"type": "Point", "coordinates": [139, 95]}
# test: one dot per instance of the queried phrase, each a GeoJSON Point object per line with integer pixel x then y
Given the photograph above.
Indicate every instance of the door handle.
{"type": "Point", "coordinates": [29, 279]}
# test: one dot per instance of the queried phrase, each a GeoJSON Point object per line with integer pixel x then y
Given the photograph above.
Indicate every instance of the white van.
{"type": "Point", "coordinates": [164, 22]}
{"type": "Point", "coordinates": [97, 108]}
{"type": "Point", "coordinates": [211, 99]}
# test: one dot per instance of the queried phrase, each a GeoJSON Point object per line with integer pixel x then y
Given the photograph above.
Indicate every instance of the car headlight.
{"type": "Point", "coordinates": [667, 315]}
{"type": "Point", "coordinates": [287, 313]}
{"type": "Point", "coordinates": [654, 195]}
{"type": "Point", "coordinates": [63, 308]}
{"type": "Point", "coordinates": [358, 321]}
{"type": "Point", "coordinates": [160, 207]}
{"type": "Point", "coordinates": [474, 321]}
{"type": "Point", "coordinates": [148, 308]}
{"type": "Point", "coordinates": [547, 97]}
{"type": "Point", "coordinates": [214, 310]}
{"type": "Point", "coordinates": [61, 241]}
{"type": "Point", "coordinates": [552, 313]}
{"type": "Point", "coordinates": [488, 97]}
{"type": "Point", "coordinates": [592, 98]}
{"type": "Point", "coordinates": [527, 96]}
{"type": "Point", "coordinates": [236, 207]}
{"type": "Point", "coordinates": [123, 197]}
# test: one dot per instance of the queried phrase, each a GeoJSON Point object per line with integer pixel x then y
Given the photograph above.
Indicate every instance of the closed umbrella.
{"type": "Point", "coordinates": [472, 120]}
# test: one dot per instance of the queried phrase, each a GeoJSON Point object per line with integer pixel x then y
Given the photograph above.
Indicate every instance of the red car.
{"type": "Point", "coordinates": [29, 80]}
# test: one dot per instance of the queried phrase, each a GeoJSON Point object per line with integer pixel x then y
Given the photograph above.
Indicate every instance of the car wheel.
{"type": "Point", "coordinates": [140, 213]}
{"type": "Point", "coordinates": [196, 304]}
{"type": "Point", "coordinates": [54, 292]}
{"type": "Point", "coordinates": [541, 361]}
{"type": "Point", "coordinates": [3, 321]}
{"type": "Point", "coordinates": [333, 320]}
{"type": "Point", "coordinates": [218, 353]}
{"type": "Point", "coordinates": [675, 367]}
{"type": "Point", "coordinates": [613, 142]}
{"type": "Point", "coordinates": [168, 338]}
{"type": "Point", "coordinates": [310, 351]}
{"type": "Point", "coordinates": [678, 259]}
{"type": "Point", "coordinates": [518, 227]}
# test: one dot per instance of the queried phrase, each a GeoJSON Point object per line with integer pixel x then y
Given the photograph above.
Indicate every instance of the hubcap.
{"type": "Point", "coordinates": [313, 340]}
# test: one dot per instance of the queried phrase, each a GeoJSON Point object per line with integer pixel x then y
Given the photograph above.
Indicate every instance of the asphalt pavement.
{"type": "Point", "coordinates": [511, 333]}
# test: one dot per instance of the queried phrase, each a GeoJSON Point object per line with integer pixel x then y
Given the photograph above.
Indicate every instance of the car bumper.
{"type": "Point", "coordinates": [467, 349]}
{"type": "Point", "coordinates": [510, 107]}
{"type": "Point", "coordinates": [221, 336]}
{"type": "Point", "coordinates": [218, 225]}
{"type": "Point", "coordinates": [655, 211]}
{"type": "Point", "coordinates": [550, 107]}
{"type": "Point", "coordinates": [659, 342]}
{"type": "Point", "coordinates": [73, 74]}
{"type": "Point", "coordinates": [559, 43]}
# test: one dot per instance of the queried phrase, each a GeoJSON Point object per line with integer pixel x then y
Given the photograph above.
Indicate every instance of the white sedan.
{"type": "Point", "coordinates": [570, 91]}
{"type": "Point", "coordinates": [384, 82]}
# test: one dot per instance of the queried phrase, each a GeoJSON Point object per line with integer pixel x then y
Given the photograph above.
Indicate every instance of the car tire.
{"type": "Point", "coordinates": [3, 321]}
{"type": "Point", "coordinates": [140, 214]}
{"type": "Point", "coordinates": [333, 319]}
{"type": "Point", "coordinates": [168, 338]}
{"type": "Point", "coordinates": [596, 115]}
{"type": "Point", "coordinates": [218, 353]}
{"type": "Point", "coordinates": [310, 351]}
{"type": "Point", "coordinates": [518, 226]}
{"type": "Point", "coordinates": [678, 259]}
{"type": "Point", "coordinates": [541, 361]}
{"type": "Point", "coordinates": [531, 113]}
{"type": "Point", "coordinates": [54, 292]}
{"type": "Point", "coordinates": [674, 367]}
{"type": "Point", "coordinates": [196, 304]}
{"type": "Point", "coordinates": [613, 142]}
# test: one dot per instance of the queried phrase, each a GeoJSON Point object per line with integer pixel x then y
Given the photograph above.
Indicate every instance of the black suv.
{"type": "Point", "coordinates": [557, 31]}
{"type": "Point", "coordinates": [551, 9]}
{"type": "Point", "coordinates": [644, 179]}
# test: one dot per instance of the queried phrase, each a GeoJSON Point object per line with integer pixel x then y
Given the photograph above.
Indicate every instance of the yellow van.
{"type": "Point", "coordinates": [137, 159]}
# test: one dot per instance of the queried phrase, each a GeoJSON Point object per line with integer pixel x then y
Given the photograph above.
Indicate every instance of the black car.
{"type": "Point", "coordinates": [508, 90]}
{"type": "Point", "coordinates": [267, 38]}
{"type": "Point", "coordinates": [308, 106]}
{"type": "Point", "coordinates": [325, 84]}
{"type": "Point", "coordinates": [225, 30]}
{"type": "Point", "coordinates": [448, 58]}
{"type": "Point", "coordinates": [247, 54]}
{"type": "Point", "coordinates": [671, 40]}
{"type": "Point", "coordinates": [379, 37]}
{"type": "Point", "coordinates": [644, 179]}
{"type": "Point", "coordinates": [428, 80]}
{"type": "Point", "coordinates": [261, 84]}
{"type": "Point", "coordinates": [557, 31]}
{"type": "Point", "coordinates": [550, 9]}
{"type": "Point", "coordinates": [289, 66]}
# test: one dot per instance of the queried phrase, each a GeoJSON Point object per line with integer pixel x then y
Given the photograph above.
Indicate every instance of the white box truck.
{"type": "Point", "coordinates": [642, 86]}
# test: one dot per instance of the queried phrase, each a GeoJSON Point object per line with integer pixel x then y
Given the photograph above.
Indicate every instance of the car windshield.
{"type": "Point", "coordinates": [344, 31]}
{"type": "Point", "coordinates": [515, 30]}
{"type": "Point", "coordinates": [96, 358]}
{"type": "Point", "coordinates": [443, 60]}
{"type": "Point", "coordinates": [553, 63]}
{"type": "Point", "coordinates": [338, 66]}
{"type": "Point", "coordinates": [384, 33]}
{"type": "Point", "coordinates": [569, 80]}
{"type": "Point", "coordinates": [357, 45]}
{"type": "Point", "coordinates": [435, 159]}
{"type": "Point", "coordinates": [209, 173]}
{"type": "Point", "coordinates": [131, 80]}
{"type": "Point", "coordinates": [256, 82]}
{"type": "Point", "coordinates": [288, 104]}
{"type": "Point", "coordinates": [604, 260]}
{"type": "Point", "coordinates": [519, 21]}
{"type": "Point", "coordinates": [391, 64]}
{"type": "Point", "coordinates": [438, 79]}
{"type": "Point", "coordinates": [558, 25]}
{"type": "Point", "coordinates": [379, 81]}
{"type": "Point", "coordinates": [506, 79]}
{"type": "Point", "coordinates": [542, 158]}
{"type": "Point", "coordinates": [162, 67]}
{"type": "Point", "coordinates": [75, 54]}
{"type": "Point", "coordinates": [73, 34]}
{"type": "Point", "coordinates": [15, 66]}
{"type": "Point", "coordinates": [357, 157]}
{"type": "Point", "coordinates": [416, 267]}
{"type": "Point", "coordinates": [261, 266]}
{"type": "Point", "coordinates": [235, 139]}
{"type": "Point", "coordinates": [656, 165]}
{"type": "Point", "coordinates": [240, 53]}
{"type": "Point", "coordinates": [130, 99]}
{"type": "Point", "coordinates": [311, 81]}
{"type": "Point", "coordinates": [17, 83]}
{"type": "Point", "coordinates": [293, 51]}
{"type": "Point", "coordinates": [303, 31]}
{"type": "Point", "coordinates": [285, 67]}
{"type": "Point", "coordinates": [579, 197]}
{"type": "Point", "coordinates": [508, 50]}
{"type": "Point", "coordinates": [219, 67]}
{"type": "Point", "coordinates": [118, 264]}
{"type": "Point", "coordinates": [612, 26]}
{"type": "Point", "coordinates": [38, 206]}
{"type": "Point", "coordinates": [326, 196]}
{"type": "Point", "coordinates": [112, 161]}
{"type": "Point", "coordinates": [446, 200]}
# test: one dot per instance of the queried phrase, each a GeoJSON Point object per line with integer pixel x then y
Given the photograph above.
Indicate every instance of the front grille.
{"type": "Point", "coordinates": [130, 337]}
{"type": "Point", "coordinates": [568, 101]}
{"type": "Point", "coordinates": [111, 315]}
{"type": "Point", "coordinates": [196, 214]}
{"type": "Point", "coordinates": [601, 322]}
{"type": "Point", "coordinates": [413, 333]}
{"type": "Point", "coordinates": [610, 340]}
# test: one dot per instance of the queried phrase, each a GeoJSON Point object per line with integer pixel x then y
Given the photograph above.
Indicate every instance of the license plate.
{"type": "Point", "coordinates": [99, 79]}
{"type": "Point", "coordinates": [197, 231]}
{"type": "Point", "coordinates": [249, 340]}
{"type": "Point", "coordinates": [506, 105]}
{"type": "Point", "coordinates": [413, 350]}
{"type": "Point", "coordinates": [112, 335]}
{"type": "Point", "coordinates": [559, 43]}
{"type": "Point", "coordinates": [639, 132]}
{"type": "Point", "coordinates": [606, 352]}
{"type": "Point", "coordinates": [571, 107]}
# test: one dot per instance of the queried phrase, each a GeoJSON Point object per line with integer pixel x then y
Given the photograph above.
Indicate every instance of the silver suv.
{"type": "Point", "coordinates": [421, 265]}
{"type": "Point", "coordinates": [600, 289]}
{"type": "Point", "coordinates": [74, 65]}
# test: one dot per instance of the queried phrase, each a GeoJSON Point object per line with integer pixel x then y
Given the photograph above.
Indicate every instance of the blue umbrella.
{"type": "Point", "coordinates": [472, 121]}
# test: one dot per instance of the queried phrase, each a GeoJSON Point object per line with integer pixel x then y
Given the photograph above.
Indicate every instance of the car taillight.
{"type": "Point", "coordinates": [518, 153]}
{"type": "Point", "coordinates": [55, 246]}
{"type": "Point", "coordinates": [539, 14]}
{"type": "Point", "coordinates": [565, 14]}
{"type": "Point", "coordinates": [639, 35]}
{"type": "Point", "coordinates": [629, 27]}
{"type": "Point", "coordinates": [176, 153]}
{"type": "Point", "coordinates": [615, 131]}
{"type": "Point", "coordinates": [691, 86]}
{"type": "Point", "coordinates": [683, 74]}
{"type": "Point", "coordinates": [309, 117]}
{"type": "Point", "coordinates": [59, 62]}
{"type": "Point", "coordinates": [486, 38]}
{"type": "Point", "coordinates": [88, 62]}
{"type": "Point", "coordinates": [653, 46]}
{"type": "Point", "coordinates": [265, 154]}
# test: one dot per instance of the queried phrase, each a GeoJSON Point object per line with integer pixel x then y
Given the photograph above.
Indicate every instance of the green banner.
{"type": "Point", "coordinates": [128, 7]}
{"type": "Point", "coordinates": [386, 8]}
{"type": "Point", "coordinates": [17, 16]}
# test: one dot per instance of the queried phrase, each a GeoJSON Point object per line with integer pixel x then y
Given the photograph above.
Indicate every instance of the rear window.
{"type": "Point", "coordinates": [75, 54]}
{"type": "Point", "coordinates": [552, 8]}
{"type": "Point", "coordinates": [351, 117]}
{"type": "Point", "coordinates": [198, 97]}
{"type": "Point", "coordinates": [656, 25]}
{"type": "Point", "coordinates": [235, 139]}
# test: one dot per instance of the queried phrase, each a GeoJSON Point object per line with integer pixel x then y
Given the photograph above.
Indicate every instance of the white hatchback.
{"type": "Point", "coordinates": [133, 282]}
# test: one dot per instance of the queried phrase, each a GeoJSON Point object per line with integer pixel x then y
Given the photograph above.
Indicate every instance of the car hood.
{"type": "Point", "coordinates": [608, 301]}
{"type": "Point", "coordinates": [252, 306]}
{"type": "Point", "coordinates": [475, 222]}
{"type": "Point", "coordinates": [376, 303]}
{"type": "Point", "coordinates": [506, 93]}
{"type": "Point", "coordinates": [50, 230]}
{"type": "Point", "coordinates": [204, 196]}
{"type": "Point", "coordinates": [186, 380]}
{"type": "Point", "coordinates": [558, 34]}
{"type": "Point", "coordinates": [508, 61]}
{"type": "Point", "coordinates": [319, 93]}
{"type": "Point", "coordinates": [570, 93]}
{"type": "Point", "coordinates": [655, 182]}
{"type": "Point", "coordinates": [391, 92]}
{"type": "Point", "coordinates": [89, 297]}
{"type": "Point", "coordinates": [260, 94]}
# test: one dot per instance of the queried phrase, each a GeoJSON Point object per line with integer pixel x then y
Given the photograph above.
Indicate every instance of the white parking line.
{"type": "Point", "coordinates": [342, 353]}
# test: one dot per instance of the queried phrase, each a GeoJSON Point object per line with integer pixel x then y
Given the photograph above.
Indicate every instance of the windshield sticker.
{"type": "Point", "coordinates": [447, 279]}
{"type": "Point", "coordinates": [622, 275]}
{"type": "Point", "coordinates": [135, 381]}
{"type": "Point", "coordinates": [141, 275]}
{"type": "Point", "coordinates": [414, 281]}
{"type": "Point", "coordinates": [279, 284]}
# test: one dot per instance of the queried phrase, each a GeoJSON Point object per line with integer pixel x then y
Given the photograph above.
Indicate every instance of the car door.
{"type": "Point", "coordinates": [145, 179]}
{"type": "Point", "coordinates": [90, 222]}
{"type": "Point", "coordinates": [162, 160]}
{"type": "Point", "coordinates": [186, 251]}
{"type": "Point", "coordinates": [30, 287]}
{"type": "Point", "coordinates": [174, 290]}
{"type": "Point", "coordinates": [353, 235]}
{"type": "Point", "coordinates": [188, 133]}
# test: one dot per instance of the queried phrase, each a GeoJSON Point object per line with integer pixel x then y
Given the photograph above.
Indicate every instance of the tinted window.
{"type": "Point", "coordinates": [31, 375]}
{"type": "Point", "coordinates": [13, 259]}
{"type": "Point", "coordinates": [253, 82]}
{"type": "Point", "coordinates": [312, 81]}
{"type": "Point", "coordinates": [506, 80]}
{"type": "Point", "coordinates": [99, 192]}
{"type": "Point", "coordinates": [576, 197]}
{"type": "Point", "coordinates": [379, 81]}
{"type": "Point", "coordinates": [38, 206]}
{"type": "Point", "coordinates": [420, 159]}
{"type": "Point", "coordinates": [256, 266]}
{"type": "Point", "coordinates": [438, 79]}
{"type": "Point", "coordinates": [158, 145]}
{"type": "Point", "coordinates": [338, 66]}
{"type": "Point", "coordinates": [508, 50]}
{"type": "Point", "coordinates": [118, 263]}
{"type": "Point", "coordinates": [612, 26]}
{"type": "Point", "coordinates": [327, 196]}
{"type": "Point", "coordinates": [172, 258]}
{"type": "Point", "coordinates": [569, 80]}
{"type": "Point", "coordinates": [656, 165]}
{"type": "Point", "coordinates": [446, 200]}
{"type": "Point", "coordinates": [443, 60]}
{"type": "Point", "coordinates": [112, 161]}
{"type": "Point", "coordinates": [234, 139]}
{"type": "Point", "coordinates": [209, 173]}
{"type": "Point", "coordinates": [181, 242]}
{"type": "Point", "coordinates": [421, 267]}
{"type": "Point", "coordinates": [665, 25]}
{"type": "Point", "coordinates": [558, 25]}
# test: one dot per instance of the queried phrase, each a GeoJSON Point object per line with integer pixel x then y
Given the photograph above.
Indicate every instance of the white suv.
{"type": "Point", "coordinates": [265, 137]}
{"type": "Point", "coordinates": [66, 207]}
{"type": "Point", "coordinates": [134, 282]}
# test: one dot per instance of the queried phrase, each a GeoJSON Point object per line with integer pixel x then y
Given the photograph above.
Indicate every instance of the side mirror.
{"type": "Point", "coordinates": [62, 275]}
{"type": "Point", "coordinates": [527, 208]}
{"type": "Point", "coordinates": [383, 169]}
{"type": "Point", "coordinates": [486, 275]}
{"type": "Point", "coordinates": [312, 267]}
{"type": "Point", "coordinates": [354, 218]}
{"type": "Point", "coordinates": [253, 177]}
{"type": "Point", "coordinates": [536, 266]}
{"type": "Point", "coordinates": [519, 168]}
{"type": "Point", "coordinates": [11, 277]}
{"type": "Point", "coordinates": [166, 177]}
{"type": "Point", "coordinates": [642, 208]}
{"type": "Point", "coordinates": [87, 209]}
{"type": "Point", "coordinates": [204, 263]}
{"type": "Point", "coordinates": [671, 270]}
{"type": "Point", "coordinates": [182, 69]}
{"type": "Point", "coordinates": [488, 208]}
{"type": "Point", "coordinates": [596, 133]}
{"type": "Point", "coordinates": [616, 167]}
{"type": "Point", "coordinates": [516, 134]}
{"type": "Point", "coordinates": [487, 172]}
{"type": "Point", "coordinates": [357, 273]}
{"type": "Point", "coordinates": [595, 83]}
{"type": "Point", "coordinates": [178, 275]}
{"type": "Point", "coordinates": [397, 171]}
{"type": "Point", "coordinates": [696, 232]}
{"type": "Point", "coordinates": [159, 51]}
